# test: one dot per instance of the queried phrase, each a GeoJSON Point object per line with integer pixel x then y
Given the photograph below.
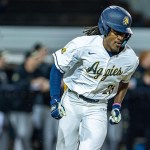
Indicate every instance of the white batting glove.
{"type": "Point", "coordinates": [115, 117]}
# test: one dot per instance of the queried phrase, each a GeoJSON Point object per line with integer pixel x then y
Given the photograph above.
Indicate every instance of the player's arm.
{"type": "Point", "coordinates": [122, 89]}
{"type": "Point", "coordinates": [115, 113]}
{"type": "Point", "coordinates": [57, 110]}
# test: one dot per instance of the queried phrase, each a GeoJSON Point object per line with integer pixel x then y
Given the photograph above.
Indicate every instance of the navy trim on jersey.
{"type": "Point", "coordinates": [57, 63]}
{"type": "Point", "coordinates": [55, 82]}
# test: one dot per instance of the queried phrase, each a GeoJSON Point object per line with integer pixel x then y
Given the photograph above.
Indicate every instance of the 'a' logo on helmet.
{"type": "Point", "coordinates": [126, 21]}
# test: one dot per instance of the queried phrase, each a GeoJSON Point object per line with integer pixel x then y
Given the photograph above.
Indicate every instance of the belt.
{"type": "Point", "coordinates": [89, 100]}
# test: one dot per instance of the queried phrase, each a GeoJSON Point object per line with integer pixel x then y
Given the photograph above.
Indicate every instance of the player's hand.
{"type": "Point", "coordinates": [115, 117]}
{"type": "Point", "coordinates": [57, 110]}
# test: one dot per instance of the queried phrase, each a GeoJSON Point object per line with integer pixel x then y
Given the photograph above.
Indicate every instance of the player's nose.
{"type": "Point", "coordinates": [120, 37]}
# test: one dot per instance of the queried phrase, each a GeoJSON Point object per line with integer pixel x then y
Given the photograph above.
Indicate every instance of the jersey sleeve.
{"type": "Point", "coordinates": [67, 57]}
{"type": "Point", "coordinates": [130, 72]}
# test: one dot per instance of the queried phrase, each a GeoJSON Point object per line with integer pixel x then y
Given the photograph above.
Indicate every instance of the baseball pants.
{"type": "Point", "coordinates": [84, 126]}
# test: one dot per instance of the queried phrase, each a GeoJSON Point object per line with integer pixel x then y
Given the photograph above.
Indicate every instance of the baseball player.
{"type": "Point", "coordinates": [95, 67]}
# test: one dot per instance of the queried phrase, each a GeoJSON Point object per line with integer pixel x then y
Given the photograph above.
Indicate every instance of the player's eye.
{"type": "Point", "coordinates": [117, 33]}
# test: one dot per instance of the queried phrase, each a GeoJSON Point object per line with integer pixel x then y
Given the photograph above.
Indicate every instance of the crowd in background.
{"type": "Point", "coordinates": [25, 121]}
{"type": "Point", "coordinates": [24, 103]}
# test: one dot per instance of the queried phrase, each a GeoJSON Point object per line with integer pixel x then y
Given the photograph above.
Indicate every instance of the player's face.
{"type": "Point", "coordinates": [114, 40]}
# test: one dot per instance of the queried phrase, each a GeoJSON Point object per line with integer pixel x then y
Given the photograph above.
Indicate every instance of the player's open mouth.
{"type": "Point", "coordinates": [118, 44]}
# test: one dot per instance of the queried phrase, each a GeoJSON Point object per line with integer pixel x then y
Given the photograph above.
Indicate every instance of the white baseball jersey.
{"type": "Point", "coordinates": [90, 71]}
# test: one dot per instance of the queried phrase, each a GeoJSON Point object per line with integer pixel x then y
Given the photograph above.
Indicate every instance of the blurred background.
{"type": "Point", "coordinates": [30, 31]}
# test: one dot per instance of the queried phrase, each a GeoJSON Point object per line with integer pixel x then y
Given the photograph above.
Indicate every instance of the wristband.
{"type": "Point", "coordinates": [116, 105]}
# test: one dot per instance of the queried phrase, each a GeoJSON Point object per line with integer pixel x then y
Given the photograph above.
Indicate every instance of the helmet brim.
{"type": "Point", "coordinates": [124, 30]}
{"type": "Point", "coordinates": [120, 28]}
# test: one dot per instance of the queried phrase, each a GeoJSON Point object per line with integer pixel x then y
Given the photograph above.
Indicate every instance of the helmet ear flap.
{"type": "Point", "coordinates": [103, 28]}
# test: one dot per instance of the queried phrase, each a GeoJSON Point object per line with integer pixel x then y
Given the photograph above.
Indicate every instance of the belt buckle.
{"type": "Point", "coordinates": [96, 101]}
{"type": "Point", "coordinates": [88, 99]}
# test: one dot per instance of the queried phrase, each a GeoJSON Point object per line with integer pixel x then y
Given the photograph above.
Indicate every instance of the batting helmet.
{"type": "Point", "coordinates": [117, 18]}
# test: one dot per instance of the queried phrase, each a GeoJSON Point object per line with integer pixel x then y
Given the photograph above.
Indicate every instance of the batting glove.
{"type": "Point", "coordinates": [115, 117]}
{"type": "Point", "coordinates": [57, 110]}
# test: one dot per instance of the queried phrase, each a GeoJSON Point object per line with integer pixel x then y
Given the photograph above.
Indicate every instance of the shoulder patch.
{"type": "Point", "coordinates": [63, 50]}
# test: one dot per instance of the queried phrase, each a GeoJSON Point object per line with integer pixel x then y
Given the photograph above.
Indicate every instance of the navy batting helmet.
{"type": "Point", "coordinates": [117, 18]}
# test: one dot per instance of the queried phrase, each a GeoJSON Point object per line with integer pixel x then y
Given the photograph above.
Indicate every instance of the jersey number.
{"type": "Point", "coordinates": [109, 89]}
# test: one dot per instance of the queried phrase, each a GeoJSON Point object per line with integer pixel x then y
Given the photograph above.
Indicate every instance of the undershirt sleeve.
{"type": "Point", "coordinates": [55, 82]}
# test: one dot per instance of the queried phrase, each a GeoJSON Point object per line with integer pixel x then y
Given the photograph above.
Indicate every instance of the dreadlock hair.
{"type": "Point", "coordinates": [94, 30]}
